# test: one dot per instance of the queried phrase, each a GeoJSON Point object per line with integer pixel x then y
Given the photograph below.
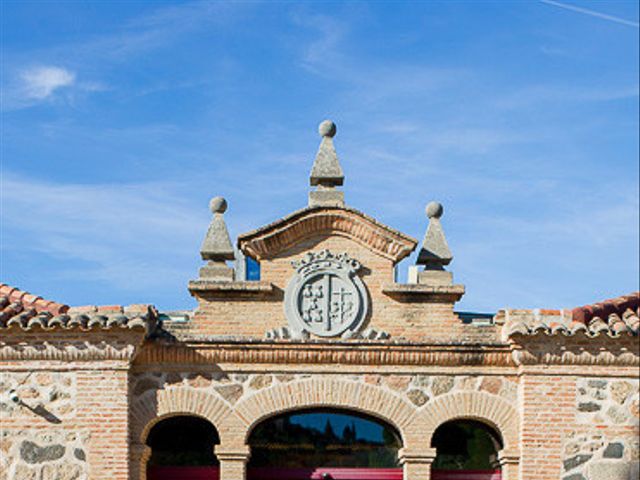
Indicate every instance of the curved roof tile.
{"type": "Point", "coordinates": [613, 317]}
{"type": "Point", "coordinates": [24, 311]}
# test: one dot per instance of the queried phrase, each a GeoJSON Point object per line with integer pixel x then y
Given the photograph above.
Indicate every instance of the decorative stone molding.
{"type": "Point", "coordinates": [216, 248]}
{"type": "Point", "coordinates": [416, 462]}
{"type": "Point", "coordinates": [233, 462]}
{"type": "Point", "coordinates": [268, 241]}
{"type": "Point", "coordinates": [237, 454]}
{"type": "Point", "coordinates": [224, 288]}
{"type": "Point", "coordinates": [353, 352]}
{"type": "Point", "coordinates": [323, 392]}
{"type": "Point", "coordinates": [283, 333]}
{"type": "Point", "coordinates": [577, 351]}
{"type": "Point", "coordinates": [417, 455]}
{"type": "Point", "coordinates": [417, 291]}
{"type": "Point", "coordinates": [72, 346]}
{"type": "Point", "coordinates": [485, 407]}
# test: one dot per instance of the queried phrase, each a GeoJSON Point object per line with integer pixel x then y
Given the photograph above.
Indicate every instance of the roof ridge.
{"type": "Point", "coordinates": [111, 309]}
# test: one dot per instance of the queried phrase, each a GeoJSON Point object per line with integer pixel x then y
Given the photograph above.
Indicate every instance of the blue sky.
{"type": "Point", "coordinates": [121, 120]}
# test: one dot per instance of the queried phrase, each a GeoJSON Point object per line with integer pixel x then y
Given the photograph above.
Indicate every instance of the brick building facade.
{"type": "Point", "coordinates": [81, 388]}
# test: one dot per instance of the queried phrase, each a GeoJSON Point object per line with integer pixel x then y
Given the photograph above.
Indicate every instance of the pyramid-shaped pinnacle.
{"type": "Point", "coordinates": [435, 252]}
{"type": "Point", "coordinates": [217, 244]}
{"type": "Point", "coordinates": [326, 170]}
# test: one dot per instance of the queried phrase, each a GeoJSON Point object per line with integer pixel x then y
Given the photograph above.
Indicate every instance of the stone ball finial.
{"type": "Point", "coordinates": [218, 205]}
{"type": "Point", "coordinates": [327, 129]}
{"type": "Point", "coordinates": [434, 210]}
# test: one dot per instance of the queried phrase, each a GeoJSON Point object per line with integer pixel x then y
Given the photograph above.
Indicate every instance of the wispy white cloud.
{"type": "Point", "coordinates": [41, 82]}
{"type": "Point", "coordinates": [322, 55]}
{"type": "Point", "coordinates": [592, 13]}
{"type": "Point", "coordinates": [128, 236]}
{"type": "Point", "coordinates": [559, 256]}
{"type": "Point", "coordinates": [24, 87]}
{"type": "Point", "coordinates": [369, 83]}
{"type": "Point", "coordinates": [539, 94]}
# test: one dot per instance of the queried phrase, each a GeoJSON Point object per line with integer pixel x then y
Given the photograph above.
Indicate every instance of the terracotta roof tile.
{"type": "Point", "coordinates": [24, 311]}
{"type": "Point", "coordinates": [15, 295]}
{"type": "Point", "coordinates": [613, 317]}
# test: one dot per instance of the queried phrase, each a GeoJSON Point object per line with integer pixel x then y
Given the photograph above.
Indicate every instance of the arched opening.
{"type": "Point", "coordinates": [182, 447]}
{"type": "Point", "coordinates": [324, 444]}
{"type": "Point", "coordinates": [466, 449]}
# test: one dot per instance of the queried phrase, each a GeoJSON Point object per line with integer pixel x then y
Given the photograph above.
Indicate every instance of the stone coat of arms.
{"type": "Point", "coordinates": [325, 297]}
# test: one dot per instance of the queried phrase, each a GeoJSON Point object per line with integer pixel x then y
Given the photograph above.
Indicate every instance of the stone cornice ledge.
{"type": "Point", "coordinates": [449, 292]}
{"type": "Point", "coordinates": [222, 287]}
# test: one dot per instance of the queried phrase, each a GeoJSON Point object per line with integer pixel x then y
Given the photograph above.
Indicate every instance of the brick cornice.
{"type": "Point", "coordinates": [71, 346]}
{"type": "Point", "coordinates": [378, 354]}
{"type": "Point", "coordinates": [268, 241]}
{"type": "Point", "coordinates": [622, 351]}
{"type": "Point", "coordinates": [347, 353]}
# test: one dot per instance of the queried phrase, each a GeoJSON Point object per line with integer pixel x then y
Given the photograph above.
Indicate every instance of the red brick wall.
{"type": "Point", "coordinates": [252, 316]}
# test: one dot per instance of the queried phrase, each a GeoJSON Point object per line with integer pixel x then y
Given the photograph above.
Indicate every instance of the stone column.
{"type": "Point", "coordinates": [233, 462]}
{"type": "Point", "coordinates": [139, 454]}
{"type": "Point", "coordinates": [510, 464]}
{"type": "Point", "coordinates": [416, 463]}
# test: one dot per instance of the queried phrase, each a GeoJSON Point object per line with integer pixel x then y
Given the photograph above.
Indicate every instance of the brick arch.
{"type": "Point", "coordinates": [155, 406]}
{"type": "Point", "coordinates": [327, 393]}
{"type": "Point", "coordinates": [483, 407]}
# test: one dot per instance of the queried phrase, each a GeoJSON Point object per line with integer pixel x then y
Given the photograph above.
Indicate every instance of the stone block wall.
{"type": "Point", "coordinates": [44, 454]}
{"type": "Point", "coordinates": [580, 428]}
{"type": "Point", "coordinates": [232, 388]}
{"type": "Point", "coordinates": [56, 390]}
{"type": "Point", "coordinates": [72, 424]}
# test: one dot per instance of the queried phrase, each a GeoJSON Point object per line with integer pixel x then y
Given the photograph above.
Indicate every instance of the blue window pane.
{"type": "Point", "coordinates": [253, 269]}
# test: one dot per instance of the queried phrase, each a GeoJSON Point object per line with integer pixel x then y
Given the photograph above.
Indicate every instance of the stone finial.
{"type": "Point", "coordinates": [435, 253]}
{"type": "Point", "coordinates": [216, 247]}
{"type": "Point", "coordinates": [326, 173]}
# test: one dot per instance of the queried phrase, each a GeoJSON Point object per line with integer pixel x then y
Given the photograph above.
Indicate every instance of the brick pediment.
{"type": "Point", "coordinates": [269, 241]}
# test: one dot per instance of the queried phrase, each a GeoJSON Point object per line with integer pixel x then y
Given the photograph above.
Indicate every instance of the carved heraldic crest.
{"type": "Point", "coordinates": [325, 297]}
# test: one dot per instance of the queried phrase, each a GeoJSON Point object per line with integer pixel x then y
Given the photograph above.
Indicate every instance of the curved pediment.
{"type": "Point", "coordinates": [269, 241]}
